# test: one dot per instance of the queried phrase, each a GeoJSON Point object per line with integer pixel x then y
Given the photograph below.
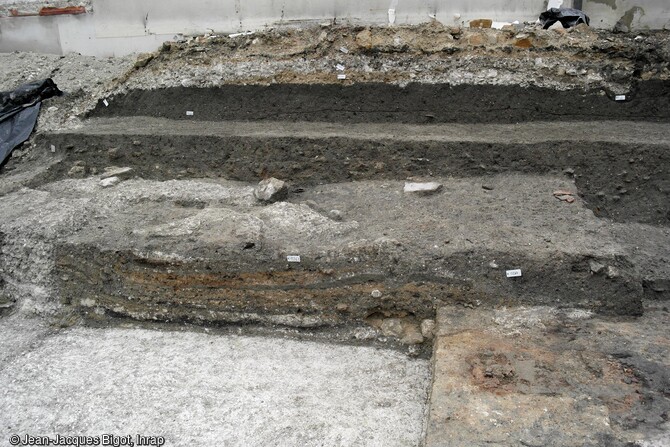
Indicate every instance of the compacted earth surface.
{"type": "Point", "coordinates": [460, 237]}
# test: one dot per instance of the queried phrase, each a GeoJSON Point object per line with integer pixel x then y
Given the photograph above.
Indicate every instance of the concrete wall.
{"type": "Point", "coordinates": [118, 27]}
{"type": "Point", "coordinates": [636, 14]}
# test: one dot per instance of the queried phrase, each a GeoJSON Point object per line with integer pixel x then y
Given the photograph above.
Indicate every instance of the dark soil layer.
{"type": "Point", "coordinates": [625, 182]}
{"type": "Point", "coordinates": [374, 103]}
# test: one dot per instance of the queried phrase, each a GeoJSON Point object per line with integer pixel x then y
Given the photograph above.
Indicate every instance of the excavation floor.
{"type": "Point", "coordinates": [206, 390]}
{"type": "Point", "coordinates": [537, 376]}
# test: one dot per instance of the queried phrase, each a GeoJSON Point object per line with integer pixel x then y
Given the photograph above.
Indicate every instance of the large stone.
{"type": "Point", "coordinates": [271, 190]}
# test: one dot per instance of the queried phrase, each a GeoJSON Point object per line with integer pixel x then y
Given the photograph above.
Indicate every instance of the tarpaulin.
{"type": "Point", "coordinates": [18, 113]}
{"type": "Point", "coordinates": [567, 16]}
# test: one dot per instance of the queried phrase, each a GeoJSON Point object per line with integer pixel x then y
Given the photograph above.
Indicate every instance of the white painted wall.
{"type": "Point", "coordinates": [118, 27]}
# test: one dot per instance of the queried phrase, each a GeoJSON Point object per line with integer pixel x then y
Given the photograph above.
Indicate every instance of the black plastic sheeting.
{"type": "Point", "coordinates": [567, 16]}
{"type": "Point", "coordinates": [18, 113]}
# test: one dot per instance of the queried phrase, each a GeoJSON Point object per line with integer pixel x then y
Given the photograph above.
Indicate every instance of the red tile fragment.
{"type": "Point", "coordinates": [72, 10]}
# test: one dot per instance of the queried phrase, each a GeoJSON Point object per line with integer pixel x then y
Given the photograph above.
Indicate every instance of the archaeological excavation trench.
{"type": "Point", "coordinates": [471, 249]}
{"type": "Point", "coordinates": [182, 238]}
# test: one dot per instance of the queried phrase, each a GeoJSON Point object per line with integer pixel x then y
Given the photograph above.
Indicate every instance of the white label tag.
{"type": "Point", "coordinates": [344, 50]}
{"type": "Point", "coordinates": [513, 273]}
{"type": "Point", "coordinates": [620, 98]}
{"type": "Point", "coordinates": [293, 258]}
{"type": "Point", "coordinates": [340, 67]}
{"type": "Point", "coordinates": [189, 113]}
{"type": "Point", "coordinates": [104, 101]}
{"type": "Point", "coordinates": [53, 148]}
{"type": "Point", "coordinates": [341, 77]}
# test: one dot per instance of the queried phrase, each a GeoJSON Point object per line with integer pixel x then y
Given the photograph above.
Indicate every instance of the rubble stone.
{"type": "Point", "coordinates": [392, 327]}
{"type": "Point", "coordinates": [109, 182]}
{"type": "Point", "coordinates": [113, 171]}
{"type": "Point", "coordinates": [428, 328]}
{"type": "Point", "coordinates": [411, 335]}
{"type": "Point", "coordinates": [422, 188]}
{"type": "Point", "coordinates": [481, 23]}
{"type": "Point", "coordinates": [271, 190]}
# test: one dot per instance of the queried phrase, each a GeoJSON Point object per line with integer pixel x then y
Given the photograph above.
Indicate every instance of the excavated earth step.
{"type": "Point", "coordinates": [622, 169]}
{"type": "Point", "coordinates": [382, 103]}
{"type": "Point", "coordinates": [368, 251]}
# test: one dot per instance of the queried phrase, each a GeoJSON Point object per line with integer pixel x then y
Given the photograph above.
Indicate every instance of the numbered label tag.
{"type": "Point", "coordinates": [293, 258]}
{"type": "Point", "coordinates": [513, 273]}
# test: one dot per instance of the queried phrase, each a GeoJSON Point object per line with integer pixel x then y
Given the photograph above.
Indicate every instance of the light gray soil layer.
{"type": "Point", "coordinates": [205, 390]}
